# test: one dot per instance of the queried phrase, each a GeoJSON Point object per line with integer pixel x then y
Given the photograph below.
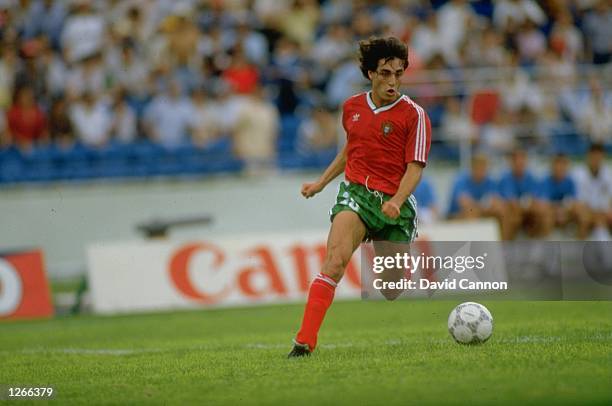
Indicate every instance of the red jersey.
{"type": "Point", "coordinates": [382, 141]}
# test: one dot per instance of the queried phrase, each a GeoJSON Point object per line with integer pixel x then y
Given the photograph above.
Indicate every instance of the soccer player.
{"type": "Point", "coordinates": [388, 139]}
{"type": "Point", "coordinates": [559, 191]}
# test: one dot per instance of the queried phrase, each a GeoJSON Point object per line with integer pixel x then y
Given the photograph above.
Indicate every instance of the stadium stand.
{"type": "Point", "coordinates": [534, 74]}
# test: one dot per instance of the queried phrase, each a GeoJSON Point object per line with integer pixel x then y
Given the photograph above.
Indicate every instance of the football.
{"type": "Point", "coordinates": [470, 323]}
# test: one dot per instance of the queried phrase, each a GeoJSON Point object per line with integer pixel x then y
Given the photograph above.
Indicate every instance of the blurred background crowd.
{"type": "Point", "coordinates": [114, 88]}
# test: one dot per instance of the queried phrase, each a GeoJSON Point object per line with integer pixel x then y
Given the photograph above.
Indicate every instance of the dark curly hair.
{"type": "Point", "coordinates": [374, 49]}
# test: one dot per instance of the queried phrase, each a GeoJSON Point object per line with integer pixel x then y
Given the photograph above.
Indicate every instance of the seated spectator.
{"type": "Point", "coordinates": [475, 195]}
{"type": "Point", "coordinates": [456, 17]}
{"type": "Point", "coordinates": [595, 190]}
{"type": "Point", "coordinates": [124, 126]}
{"type": "Point", "coordinates": [300, 22]}
{"type": "Point", "coordinates": [26, 121]}
{"type": "Point", "coordinates": [337, 11]}
{"type": "Point", "coordinates": [129, 70]}
{"type": "Point", "coordinates": [254, 44]}
{"type": "Point", "coordinates": [559, 191]}
{"type": "Point", "coordinates": [167, 119]}
{"type": "Point", "coordinates": [319, 132]}
{"type": "Point", "coordinates": [91, 120]}
{"type": "Point", "coordinates": [60, 127]}
{"type": "Point", "coordinates": [286, 71]}
{"type": "Point", "coordinates": [45, 18]}
{"type": "Point", "coordinates": [427, 202]}
{"type": "Point", "coordinates": [456, 125]}
{"type": "Point", "coordinates": [256, 131]}
{"type": "Point", "coordinates": [598, 28]}
{"type": "Point", "coordinates": [427, 41]}
{"type": "Point", "coordinates": [89, 76]}
{"type": "Point", "coordinates": [207, 126]}
{"type": "Point", "coordinates": [54, 72]}
{"type": "Point", "coordinates": [486, 49]}
{"type": "Point", "coordinates": [345, 81]}
{"type": "Point", "coordinates": [84, 32]}
{"type": "Point", "coordinates": [566, 39]}
{"type": "Point", "coordinates": [531, 43]}
{"type": "Point", "coordinates": [241, 75]}
{"type": "Point", "coordinates": [521, 92]}
{"type": "Point", "coordinates": [596, 117]}
{"type": "Point", "coordinates": [332, 47]}
{"type": "Point", "coordinates": [520, 190]}
{"type": "Point", "coordinates": [498, 137]}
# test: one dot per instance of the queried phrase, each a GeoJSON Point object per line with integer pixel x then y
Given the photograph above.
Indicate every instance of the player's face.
{"type": "Point", "coordinates": [386, 80]}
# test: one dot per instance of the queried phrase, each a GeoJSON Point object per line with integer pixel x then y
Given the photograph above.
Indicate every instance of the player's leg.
{"type": "Point", "coordinates": [388, 248]}
{"type": "Point", "coordinates": [346, 233]}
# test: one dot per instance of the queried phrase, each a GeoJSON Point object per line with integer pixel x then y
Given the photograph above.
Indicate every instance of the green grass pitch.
{"type": "Point", "coordinates": [370, 353]}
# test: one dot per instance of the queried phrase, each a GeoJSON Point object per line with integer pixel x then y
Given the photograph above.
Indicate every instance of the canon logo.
{"type": "Point", "coordinates": [267, 273]}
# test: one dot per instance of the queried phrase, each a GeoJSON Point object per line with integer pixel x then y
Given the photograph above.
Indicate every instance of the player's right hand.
{"type": "Point", "coordinates": [311, 189]}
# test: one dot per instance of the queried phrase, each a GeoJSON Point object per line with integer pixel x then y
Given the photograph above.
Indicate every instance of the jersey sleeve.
{"type": "Point", "coordinates": [345, 114]}
{"type": "Point", "coordinates": [419, 138]}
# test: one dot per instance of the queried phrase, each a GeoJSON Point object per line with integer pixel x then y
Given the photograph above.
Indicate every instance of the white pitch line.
{"type": "Point", "coordinates": [396, 342]}
{"type": "Point", "coordinates": [261, 346]}
{"type": "Point", "coordinates": [83, 351]}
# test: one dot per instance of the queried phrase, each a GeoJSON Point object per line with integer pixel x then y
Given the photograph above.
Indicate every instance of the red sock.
{"type": "Point", "coordinates": [320, 297]}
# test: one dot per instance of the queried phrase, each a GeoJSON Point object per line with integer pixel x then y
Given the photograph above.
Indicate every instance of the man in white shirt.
{"type": "Point", "coordinates": [168, 118]}
{"type": "Point", "coordinates": [256, 131]}
{"type": "Point", "coordinates": [92, 121]}
{"type": "Point", "coordinates": [594, 182]}
{"type": "Point", "coordinates": [84, 32]}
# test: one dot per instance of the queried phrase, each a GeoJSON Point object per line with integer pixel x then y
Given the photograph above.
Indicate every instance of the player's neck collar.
{"type": "Point", "coordinates": [380, 109]}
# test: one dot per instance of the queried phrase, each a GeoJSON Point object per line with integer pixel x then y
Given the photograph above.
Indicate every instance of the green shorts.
{"type": "Point", "coordinates": [367, 204]}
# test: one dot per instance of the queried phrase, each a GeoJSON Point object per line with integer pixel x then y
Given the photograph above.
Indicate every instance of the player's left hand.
{"type": "Point", "coordinates": [390, 209]}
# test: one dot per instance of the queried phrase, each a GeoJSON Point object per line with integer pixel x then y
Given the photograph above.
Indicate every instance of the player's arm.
{"type": "Point", "coordinates": [411, 178]}
{"type": "Point", "coordinates": [333, 170]}
{"type": "Point", "coordinates": [417, 150]}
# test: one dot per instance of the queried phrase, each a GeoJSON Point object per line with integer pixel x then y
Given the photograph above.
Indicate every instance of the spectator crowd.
{"type": "Point", "coordinates": [193, 71]}
{"type": "Point", "coordinates": [269, 76]}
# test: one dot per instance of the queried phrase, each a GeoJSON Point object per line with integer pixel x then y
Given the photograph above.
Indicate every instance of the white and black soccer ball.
{"type": "Point", "coordinates": [470, 323]}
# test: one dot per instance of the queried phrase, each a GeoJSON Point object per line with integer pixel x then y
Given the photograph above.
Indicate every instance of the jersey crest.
{"type": "Point", "coordinates": [387, 128]}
